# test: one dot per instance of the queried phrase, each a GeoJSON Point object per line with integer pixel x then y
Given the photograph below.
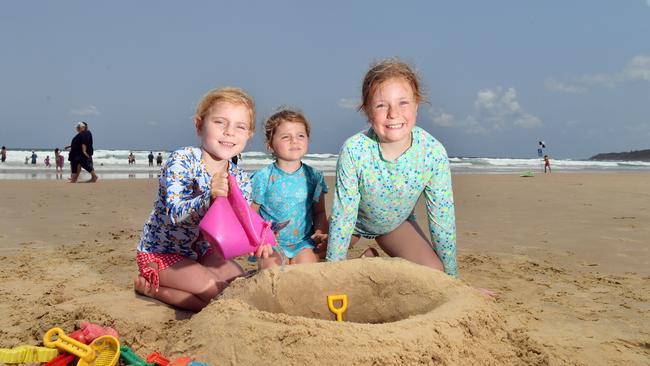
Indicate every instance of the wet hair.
{"type": "Point", "coordinates": [283, 114]}
{"type": "Point", "coordinates": [226, 94]}
{"type": "Point", "coordinates": [385, 70]}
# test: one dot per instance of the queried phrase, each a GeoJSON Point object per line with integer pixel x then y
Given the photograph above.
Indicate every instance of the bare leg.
{"type": "Point", "coordinates": [409, 242]}
{"type": "Point", "coordinates": [184, 299]}
{"type": "Point", "coordinates": [306, 255]}
{"type": "Point", "coordinates": [225, 270]}
{"type": "Point", "coordinates": [93, 177]}
{"type": "Point", "coordinates": [186, 284]}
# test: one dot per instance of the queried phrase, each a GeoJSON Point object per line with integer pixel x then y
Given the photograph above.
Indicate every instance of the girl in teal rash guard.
{"type": "Point", "coordinates": [382, 172]}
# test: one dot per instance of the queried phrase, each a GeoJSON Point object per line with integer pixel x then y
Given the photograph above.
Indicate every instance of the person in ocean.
{"type": "Point", "coordinates": [381, 173]}
{"type": "Point", "coordinates": [547, 164]}
{"type": "Point", "coordinates": [176, 264]}
{"type": "Point", "coordinates": [290, 192]}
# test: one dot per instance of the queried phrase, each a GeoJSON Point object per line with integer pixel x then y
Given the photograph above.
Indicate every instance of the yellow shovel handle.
{"type": "Point", "coordinates": [68, 344]}
{"type": "Point", "coordinates": [338, 311]}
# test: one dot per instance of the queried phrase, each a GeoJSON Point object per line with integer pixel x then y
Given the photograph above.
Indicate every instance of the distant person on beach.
{"type": "Point", "coordinates": [177, 266]}
{"type": "Point", "coordinates": [547, 164]}
{"type": "Point", "coordinates": [382, 172]}
{"type": "Point", "coordinates": [150, 158]}
{"type": "Point", "coordinates": [27, 159]}
{"type": "Point", "coordinates": [81, 153]}
{"type": "Point", "coordinates": [159, 159]}
{"type": "Point", "coordinates": [59, 160]}
{"type": "Point", "coordinates": [3, 154]}
{"type": "Point", "coordinates": [131, 158]}
{"type": "Point", "coordinates": [47, 161]}
{"type": "Point", "coordinates": [291, 192]}
{"type": "Point", "coordinates": [34, 156]}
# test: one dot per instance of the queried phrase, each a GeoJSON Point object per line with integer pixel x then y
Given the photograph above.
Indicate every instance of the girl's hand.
{"type": "Point", "coordinates": [488, 293]}
{"type": "Point", "coordinates": [319, 238]}
{"type": "Point", "coordinates": [219, 185]}
{"type": "Point", "coordinates": [263, 251]}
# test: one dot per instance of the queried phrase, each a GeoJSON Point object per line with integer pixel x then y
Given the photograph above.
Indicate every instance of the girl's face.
{"type": "Point", "coordinates": [225, 130]}
{"type": "Point", "coordinates": [392, 111]}
{"type": "Point", "coordinates": [290, 141]}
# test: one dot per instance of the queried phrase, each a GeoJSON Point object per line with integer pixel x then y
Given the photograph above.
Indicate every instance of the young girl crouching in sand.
{"type": "Point", "coordinates": [382, 172]}
{"type": "Point", "coordinates": [177, 266]}
{"type": "Point", "coordinates": [290, 192]}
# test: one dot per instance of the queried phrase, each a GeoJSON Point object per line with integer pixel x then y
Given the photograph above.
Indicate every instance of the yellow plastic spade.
{"type": "Point", "coordinates": [56, 338]}
{"type": "Point", "coordinates": [103, 351]}
{"type": "Point", "coordinates": [338, 311]}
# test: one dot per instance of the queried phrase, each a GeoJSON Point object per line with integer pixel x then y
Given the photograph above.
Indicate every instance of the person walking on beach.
{"type": "Point", "coordinates": [81, 152]}
{"type": "Point", "coordinates": [3, 154]}
{"type": "Point", "coordinates": [159, 159]}
{"type": "Point", "coordinates": [547, 164]}
{"type": "Point", "coordinates": [59, 160]}
{"type": "Point", "coordinates": [150, 158]}
{"type": "Point", "coordinates": [34, 156]}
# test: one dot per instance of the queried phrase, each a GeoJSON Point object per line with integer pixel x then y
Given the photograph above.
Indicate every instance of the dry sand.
{"type": "Point", "coordinates": [569, 254]}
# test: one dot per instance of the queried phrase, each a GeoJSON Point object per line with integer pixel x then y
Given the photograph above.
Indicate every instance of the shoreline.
{"type": "Point", "coordinates": [44, 174]}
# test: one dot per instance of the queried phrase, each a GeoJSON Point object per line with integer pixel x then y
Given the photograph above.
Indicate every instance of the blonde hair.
{"type": "Point", "coordinates": [226, 94]}
{"type": "Point", "coordinates": [283, 114]}
{"type": "Point", "coordinates": [385, 70]}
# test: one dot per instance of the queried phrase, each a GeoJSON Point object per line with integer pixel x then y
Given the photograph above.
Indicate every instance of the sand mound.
{"type": "Point", "coordinates": [398, 313]}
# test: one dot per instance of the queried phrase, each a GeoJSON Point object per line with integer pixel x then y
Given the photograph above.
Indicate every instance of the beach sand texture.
{"type": "Point", "coordinates": [569, 254]}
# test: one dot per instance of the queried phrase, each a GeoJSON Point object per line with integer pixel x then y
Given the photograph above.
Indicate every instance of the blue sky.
{"type": "Point", "coordinates": [500, 75]}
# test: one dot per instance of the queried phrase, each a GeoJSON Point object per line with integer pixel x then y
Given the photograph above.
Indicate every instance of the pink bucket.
{"type": "Point", "coordinates": [233, 227]}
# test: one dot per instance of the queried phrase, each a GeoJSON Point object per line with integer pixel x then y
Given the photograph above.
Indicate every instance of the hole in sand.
{"type": "Point", "coordinates": [374, 295]}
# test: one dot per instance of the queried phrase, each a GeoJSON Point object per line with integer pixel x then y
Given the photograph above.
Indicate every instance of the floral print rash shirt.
{"type": "Point", "coordinates": [182, 201]}
{"type": "Point", "coordinates": [375, 196]}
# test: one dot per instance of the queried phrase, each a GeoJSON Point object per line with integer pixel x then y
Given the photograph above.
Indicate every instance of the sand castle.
{"type": "Point", "coordinates": [398, 313]}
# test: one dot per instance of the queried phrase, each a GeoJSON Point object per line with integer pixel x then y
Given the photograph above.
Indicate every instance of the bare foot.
{"type": "Point", "coordinates": [370, 253]}
{"type": "Point", "coordinates": [141, 286]}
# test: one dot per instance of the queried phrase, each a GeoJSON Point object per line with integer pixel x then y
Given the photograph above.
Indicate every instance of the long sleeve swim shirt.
{"type": "Point", "coordinates": [374, 196]}
{"type": "Point", "coordinates": [183, 199]}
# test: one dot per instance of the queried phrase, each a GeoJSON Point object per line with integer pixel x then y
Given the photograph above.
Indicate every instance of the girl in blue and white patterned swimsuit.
{"type": "Point", "coordinates": [382, 172]}
{"type": "Point", "coordinates": [177, 266]}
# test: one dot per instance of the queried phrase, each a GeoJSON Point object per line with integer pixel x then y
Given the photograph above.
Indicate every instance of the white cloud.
{"type": "Point", "coordinates": [554, 85]}
{"type": "Point", "coordinates": [348, 103]}
{"type": "Point", "coordinates": [441, 118]}
{"type": "Point", "coordinates": [499, 109]}
{"type": "Point", "coordinates": [637, 69]}
{"type": "Point", "coordinates": [89, 110]}
{"type": "Point", "coordinates": [471, 125]}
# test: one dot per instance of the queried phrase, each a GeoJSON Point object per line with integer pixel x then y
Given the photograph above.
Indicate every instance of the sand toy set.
{"type": "Point", "coordinates": [92, 345]}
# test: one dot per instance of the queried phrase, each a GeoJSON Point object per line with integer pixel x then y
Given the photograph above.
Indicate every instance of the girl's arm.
{"type": "Point", "coordinates": [321, 226]}
{"type": "Point", "coordinates": [439, 199]}
{"type": "Point", "coordinates": [182, 204]}
{"type": "Point", "coordinates": [345, 207]}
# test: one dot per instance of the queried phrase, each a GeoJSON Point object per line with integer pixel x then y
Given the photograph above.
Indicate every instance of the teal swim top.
{"type": "Point", "coordinates": [375, 196]}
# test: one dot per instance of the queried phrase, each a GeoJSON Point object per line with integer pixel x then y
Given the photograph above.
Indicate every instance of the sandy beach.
{"type": "Point", "coordinates": [569, 255]}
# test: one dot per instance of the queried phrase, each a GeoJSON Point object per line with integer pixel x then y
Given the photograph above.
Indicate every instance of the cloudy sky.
{"type": "Point", "coordinates": [500, 75]}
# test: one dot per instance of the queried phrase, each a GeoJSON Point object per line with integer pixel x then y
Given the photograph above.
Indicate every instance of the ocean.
{"type": "Point", "coordinates": [113, 164]}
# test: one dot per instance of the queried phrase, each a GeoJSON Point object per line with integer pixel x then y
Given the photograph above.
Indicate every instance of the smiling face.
{"type": "Point", "coordinates": [392, 111]}
{"type": "Point", "coordinates": [290, 141]}
{"type": "Point", "coordinates": [225, 130]}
